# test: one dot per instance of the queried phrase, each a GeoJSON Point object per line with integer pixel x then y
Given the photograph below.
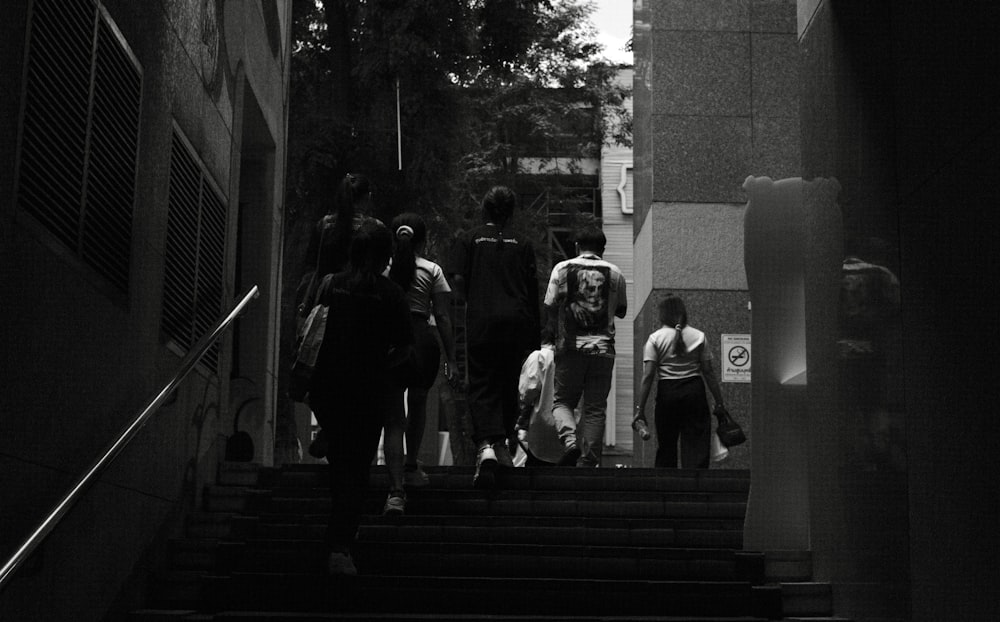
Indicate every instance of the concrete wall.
{"type": "Point", "coordinates": [79, 360]}
{"type": "Point", "coordinates": [716, 100]}
{"type": "Point", "coordinates": [889, 100]}
{"type": "Point", "coordinates": [616, 217]}
{"type": "Point", "coordinates": [893, 107]}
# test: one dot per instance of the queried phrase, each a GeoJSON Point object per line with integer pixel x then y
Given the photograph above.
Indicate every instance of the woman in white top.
{"type": "Point", "coordinates": [678, 356]}
{"type": "Point", "coordinates": [428, 295]}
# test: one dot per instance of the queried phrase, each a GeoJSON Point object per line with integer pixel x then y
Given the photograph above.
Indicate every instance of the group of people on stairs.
{"type": "Point", "coordinates": [389, 309]}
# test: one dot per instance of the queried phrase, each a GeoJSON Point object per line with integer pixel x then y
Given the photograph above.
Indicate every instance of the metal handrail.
{"type": "Point", "coordinates": [192, 358]}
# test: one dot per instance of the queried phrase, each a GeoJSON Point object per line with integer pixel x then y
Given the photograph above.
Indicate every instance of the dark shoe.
{"type": "Point", "coordinates": [504, 458]}
{"type": "Point", "coordinates": [414, 475]}
{"type": "Point", "coordinates": [340, 563]}
{"type": "Point", "coordinates": [319, 446]}
{"type": "Point", "coordinates": [639, 425]}
{"type": "Point", "coordinates": [570, 456]}
{"type": "Point", "coordinates": [395, 504]}
{"type": "Point", "coordinates": [486, 466]}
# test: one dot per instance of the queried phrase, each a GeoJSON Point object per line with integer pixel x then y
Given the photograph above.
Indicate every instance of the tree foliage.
{"type": "Point", "coordinates": [480, 84]}
{"type": "Point", "coordinates": [478, 80]}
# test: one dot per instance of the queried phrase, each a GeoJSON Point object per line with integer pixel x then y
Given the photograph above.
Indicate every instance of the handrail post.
{"type": "Point", "coordinates": [57, 513]}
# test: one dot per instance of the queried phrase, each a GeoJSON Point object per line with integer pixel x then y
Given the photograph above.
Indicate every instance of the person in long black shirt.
{"type": "Point", "coordinates": [494, 269]}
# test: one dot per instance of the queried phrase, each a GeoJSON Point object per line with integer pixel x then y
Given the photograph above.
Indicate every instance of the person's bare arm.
{"type": "Point", "coordinates": [712, 381]}
{"type": "Point", "coordinates": [551, 327]}
{"type": "Point", "coordinates": [648, 374]}
{"type": "Point", "coordinates": [442, 318]}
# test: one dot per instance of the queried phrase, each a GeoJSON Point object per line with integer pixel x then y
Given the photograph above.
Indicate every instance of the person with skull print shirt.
{"type": "Point", "coordinates": [583, 297]}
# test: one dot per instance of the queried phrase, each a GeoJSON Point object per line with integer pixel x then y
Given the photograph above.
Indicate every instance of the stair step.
{"type": "Point", "coordinates": [274, 616]}
{"type": "Point", "coordinates": [209, 525]}
{"type": "Point", "coordinates": [502, 560]}
{"type": "Point", "coordinates": [232, 499]}
{"type": "Point", "coordinates": [523, 561]}
{"type": "Point", "coordinates": [178, 589]}
{"type": "Point", "coordinates": [536, 479]}
{"type": "Point", "coordinates": [718, 533]}
{"type": "Point", "coordinates": [158, 615]}
{"type": "Point", "coordinates": [550, 545]}
{"type": "Point", "coordinates": [811, 599]}
{"type": "Point", "coordinates": [788, 566]}
{"type": "Point", "coordinates": [221, 526]}
{"type": "Point", "coordinates": [239, 474]}
{"type": "Point", "coordinates": [530, 503]}
{"type": "Point", "coordinates": [165, 615]}
{"type": "Point", "coordinates": [686, 533]}
{"type": "Point", "coordinates": [461, 595]}
{"type": "Point", "coordinates": [193, 554]}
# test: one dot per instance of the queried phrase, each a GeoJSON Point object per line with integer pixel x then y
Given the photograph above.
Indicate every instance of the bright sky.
{"type": "Point", "coordinates": [613, 19]}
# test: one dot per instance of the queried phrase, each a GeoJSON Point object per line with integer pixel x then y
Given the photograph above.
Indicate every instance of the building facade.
{"type": "Point", "coordinates": [862, 238]}
{"type": "Point", "coordinates": [142, 181]}
{"type": "Point", "coordinates": [617, 182]}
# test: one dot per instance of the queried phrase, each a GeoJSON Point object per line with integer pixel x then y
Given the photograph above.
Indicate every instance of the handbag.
{"type": "Point", "coordinates": [307, 349]}
{"type": "Point", "coordinates": [305, 293]}
{"type": "Point", "coordinates": [730, 433]}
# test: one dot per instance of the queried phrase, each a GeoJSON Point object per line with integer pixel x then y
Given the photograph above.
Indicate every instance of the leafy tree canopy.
{"type": "Point", "coordinates": [480, 85]}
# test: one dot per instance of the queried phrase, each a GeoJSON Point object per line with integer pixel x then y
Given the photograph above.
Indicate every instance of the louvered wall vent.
{"type": "Point", "coordinates": [195, 252]}
{"type": "Point", "coordinates": [78, 151]}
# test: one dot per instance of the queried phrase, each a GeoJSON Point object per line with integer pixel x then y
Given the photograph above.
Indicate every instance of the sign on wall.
{"type": "Point", "coordinates": [736, 358]}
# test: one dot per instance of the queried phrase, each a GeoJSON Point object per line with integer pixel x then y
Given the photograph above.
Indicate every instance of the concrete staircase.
{"type": "Point", "coordinates": [552, 544]}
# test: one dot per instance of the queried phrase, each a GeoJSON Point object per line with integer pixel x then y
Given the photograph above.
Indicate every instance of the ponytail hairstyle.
{"type": "Point", "coordinates": [371, 248]}
{"type": "Point", "coordinates": [354, 190]}
{"type": "Point", "coordinates": [499, 204]}
{"type": "Point", "coordinates": [673, 313]}
{"type": "Point", "coordinates": [410, 233]}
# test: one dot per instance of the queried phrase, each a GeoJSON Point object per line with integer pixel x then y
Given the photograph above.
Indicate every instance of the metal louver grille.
{"type": "Point", "coordinates": [195, 253]}
{"type": "Point", "coordinates": [182, 246]}
{"type": "Point", "coordinates": [211, 263]}
{"type": "Point", "coordinates": [57, 92]}
{"type": "Point", "coordinates": [77, 159]}
{"type": "Point", "coordinates": [107, 214]}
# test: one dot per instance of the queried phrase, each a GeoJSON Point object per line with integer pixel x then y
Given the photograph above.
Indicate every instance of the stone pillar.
{"type": "Point", "coordinates": [793, 249]}
{"type": "Point", "coordinates": [773, 246]}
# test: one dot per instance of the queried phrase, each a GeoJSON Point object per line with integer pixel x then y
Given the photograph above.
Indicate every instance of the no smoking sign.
{"type": "Point", "coordinates": [736, 358]}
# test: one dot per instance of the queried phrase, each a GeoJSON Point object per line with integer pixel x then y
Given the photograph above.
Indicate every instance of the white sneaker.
{"type": "Point", "coordinates": [340, 563]}
{"type": "Point", "coordinates": [486, 466]}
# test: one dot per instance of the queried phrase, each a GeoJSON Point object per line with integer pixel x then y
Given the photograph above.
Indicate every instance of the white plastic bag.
{"type": "Point", "coordinates": [719, 451]}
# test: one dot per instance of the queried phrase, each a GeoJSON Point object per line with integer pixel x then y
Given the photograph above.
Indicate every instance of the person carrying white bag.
{"type": "Point", "coordinates": [537, 430]}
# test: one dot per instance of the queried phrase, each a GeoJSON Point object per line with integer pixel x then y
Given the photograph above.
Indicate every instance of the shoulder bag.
{"type": "Point", "coordinates": [730, 433]}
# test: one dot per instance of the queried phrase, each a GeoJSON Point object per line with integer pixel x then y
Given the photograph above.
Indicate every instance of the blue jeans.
{"type": "Point", "coordinates": [587, 376]}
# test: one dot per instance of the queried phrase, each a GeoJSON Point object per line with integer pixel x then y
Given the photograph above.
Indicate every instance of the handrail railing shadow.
{"type": "Point", "coordinates": [64, 506]}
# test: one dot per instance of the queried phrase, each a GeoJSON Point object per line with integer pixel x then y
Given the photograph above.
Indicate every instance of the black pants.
{"type": "Point", "coordinates": [494, 369]}
{"type": "Point", "coordinates": [682, 411]}
{"type": "Point", "coordinates": [352, 421]}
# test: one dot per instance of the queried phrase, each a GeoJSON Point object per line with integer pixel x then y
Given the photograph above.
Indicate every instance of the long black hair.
{"type": "Point", "coordinates": [673, 313]}
{"type": "Point", "coordinates": [371, 247]}
{"type": "Point", "coordinates": [337, 227]}
{"type": "Point", "coordinates": [410, 233]}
